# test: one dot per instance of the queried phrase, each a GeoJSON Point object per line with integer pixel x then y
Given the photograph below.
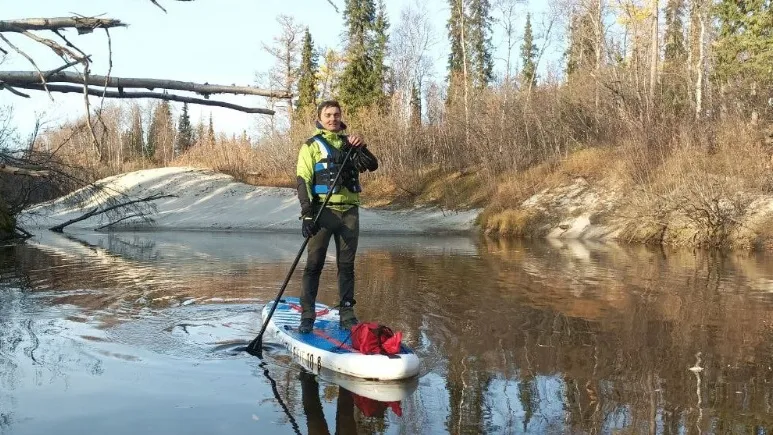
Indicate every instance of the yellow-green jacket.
{"type": "Point", "coordinates": [309, 155]}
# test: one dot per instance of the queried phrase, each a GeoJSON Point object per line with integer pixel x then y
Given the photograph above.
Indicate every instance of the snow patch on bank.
{"type": "Point", "coordinates": [208, 200]}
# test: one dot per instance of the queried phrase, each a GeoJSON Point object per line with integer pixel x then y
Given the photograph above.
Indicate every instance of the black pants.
{"type": "Point", "coordinates": [315, 416]}
{"type": "Point", "coordinates": [344, 228]}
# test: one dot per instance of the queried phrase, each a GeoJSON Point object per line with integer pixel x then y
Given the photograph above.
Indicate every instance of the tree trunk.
{"type": "Point", "coordinates": [82, 24]}
{"type": "Point", "coordinates": [599, 36]}
{"type": "Point", "coordinates": [155, 95]}
{"type": "Point", "coordinates": [701, 64]}
{"type": "Point", "coordinates": [465, 77]}
{"type": "Point", "coordinates": [18, 78]}
{"type": "Point", "coordinates": [655, 54]}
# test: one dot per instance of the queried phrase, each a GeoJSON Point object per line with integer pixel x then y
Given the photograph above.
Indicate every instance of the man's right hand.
{"type": "Point", "coordinates": [308, 228]}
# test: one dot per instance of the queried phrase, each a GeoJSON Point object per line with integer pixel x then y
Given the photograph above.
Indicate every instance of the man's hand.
{"type": "Point", "coordinates": [308, 228]}
{"type": "Point", "coordinates": [356, 141]}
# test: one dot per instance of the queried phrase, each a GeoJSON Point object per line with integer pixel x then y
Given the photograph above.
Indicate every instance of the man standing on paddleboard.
{"type": "Point", "coordinates": [320, 160]}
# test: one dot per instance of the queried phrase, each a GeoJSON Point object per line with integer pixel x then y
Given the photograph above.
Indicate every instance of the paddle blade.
{"type": "Point", "coordinates": [255, 348]}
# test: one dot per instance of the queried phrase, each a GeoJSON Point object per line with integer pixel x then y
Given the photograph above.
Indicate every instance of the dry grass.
{"type": "Point", "coordinates": [699, 193]}
{"type": "Point", "coordinates": [518, 223]}
{"type": "Point", "coordinates": [503, 215]}
{"type": "Point", "coordinates": [685, 181]}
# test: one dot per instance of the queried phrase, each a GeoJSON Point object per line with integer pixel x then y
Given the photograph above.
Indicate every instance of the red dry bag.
{"type": "Point", "coordinates": [375, 408]}
{"type": "Point", "coordinates": [372, 338]}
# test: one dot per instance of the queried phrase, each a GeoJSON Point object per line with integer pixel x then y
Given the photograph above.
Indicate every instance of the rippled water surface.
{"type": "Point", "coordinates": [141, 333]}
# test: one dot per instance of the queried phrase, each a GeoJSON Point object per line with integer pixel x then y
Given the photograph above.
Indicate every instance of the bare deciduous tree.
{"type": "Point", "coordinates": [412, 42]}
{"type": "Point", "coordinates": [286, 51]}
{"type": "Point", "coordinates": [506, 18]}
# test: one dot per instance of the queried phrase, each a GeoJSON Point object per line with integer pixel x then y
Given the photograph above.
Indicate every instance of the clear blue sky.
{"type": "Point", "coordinates": [215, 41]}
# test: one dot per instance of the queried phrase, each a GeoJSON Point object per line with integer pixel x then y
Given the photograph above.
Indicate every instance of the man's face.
{"type": "Point", "coordinates": [330, 118]}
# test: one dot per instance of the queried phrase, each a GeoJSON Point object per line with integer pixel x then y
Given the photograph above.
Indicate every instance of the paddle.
{"type": "Point", "coordinates": [256, 345]}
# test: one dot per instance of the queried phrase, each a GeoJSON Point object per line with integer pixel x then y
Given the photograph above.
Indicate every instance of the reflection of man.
{"type": "Point", "coordinates": [315, 416]}
{"type": "Point", "coordinates": [312, 406]}
{"type": "Point", "coordinates": [345, 422]}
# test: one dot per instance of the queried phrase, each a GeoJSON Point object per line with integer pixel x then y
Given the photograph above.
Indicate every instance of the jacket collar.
{"type": "Point", "coordinates": [321, 129]}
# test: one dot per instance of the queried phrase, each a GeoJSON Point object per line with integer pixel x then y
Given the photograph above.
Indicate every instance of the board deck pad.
{"type": "Point", "coordinates": [330, 346]}
{"type": "Point", "coordinates": [327, 333]}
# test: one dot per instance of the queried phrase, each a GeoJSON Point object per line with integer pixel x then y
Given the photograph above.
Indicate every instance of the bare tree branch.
{"type": "Point", "coordinates": [21, 171]}
{"type": "Point", "coordinates": [82, 24]}
{"type": "Point", "coordinates": [57, 48]}
{"type": "Point", "coordinates": [26, 233]}
{"type": "Point", "coordinates": [95, 141]}
{"type": "Point", "coordinates": [155, 95]}
{"type": "Point", "coordinates": [109, 224]}
{"type": "Point", "coordinates": [64, 67]}
{"type": "Point", "coordinates": [156, 3]}
{"type": "Point", "coordinates": [32, 61]}
{"type": "Point", "coordinates": [10, 89]}
{"type": "Point", "coordinates": [29, 77]}
{"type": "Point", "coordinates": [96, 211]}
{"type": "Point", "coordinates": [109, 62]}
{"type": "Point", "coordinates": [162, 8]}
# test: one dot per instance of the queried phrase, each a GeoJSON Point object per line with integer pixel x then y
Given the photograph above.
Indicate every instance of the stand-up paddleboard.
{"type": "Point", "coordinates": [328, 346]}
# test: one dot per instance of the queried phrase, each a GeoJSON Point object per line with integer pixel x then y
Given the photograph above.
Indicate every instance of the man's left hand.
{"type": "Point", "coordinates": [356, 141]}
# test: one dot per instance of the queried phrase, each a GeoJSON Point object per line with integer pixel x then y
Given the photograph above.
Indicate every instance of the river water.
{"type": "Point", "coordinates": [142, 332]}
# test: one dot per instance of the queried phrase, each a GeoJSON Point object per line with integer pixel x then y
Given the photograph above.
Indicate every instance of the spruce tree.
{"type": "Point", "coordinates": [456, 56]}
{"type": "Point", "coordinates": [581, 53]}
{"type": "Point", "coordinates": [379, 53]}
{"type": "Point", "coordinates": [356, 87]}
{"type": "Point", "coordinates": [454, 26]}
{"type": "Point", "coordinates": [136, 140]}
{"type": "Point", "coordinates": [211, 131]}
{"type": "Point", "coordinates": [415, 106]}
{"type": "Point", "coordinates": [480, 42]}
{"type": "Point", "coordinates": [184, 132]}
{"type": "Point", "coordinates": [307, 76]}
{"type": "Point", "coordinates": [675, 86]}
{"type": "Point", "coordinates": [528, 56]}
{"type": "Point", "coordinates": [743, 46]}
{"type": "Point", "coordinates": [161, 134]}
{"type": "Point", "coordinates": [674, 39]}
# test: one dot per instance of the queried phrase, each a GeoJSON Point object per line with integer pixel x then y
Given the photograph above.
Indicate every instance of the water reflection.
{"type": "Point", "coordinates": [346, 421]}
{"type": "Point", "coordinates": [514, 337]}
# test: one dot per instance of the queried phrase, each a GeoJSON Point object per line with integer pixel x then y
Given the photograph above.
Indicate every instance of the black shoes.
{"type": "Point", "coordinates": [306, 326]}
{"type": "Point", "coordinates": [349, 322]}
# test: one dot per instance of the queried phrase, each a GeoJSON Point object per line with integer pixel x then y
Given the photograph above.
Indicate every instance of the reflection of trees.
{"type": "Point", "coordinates": [559, 337]}
{"type": "Point", "coordinates": [130, 273]}
{"type": "Point", "coordinates": [617, 328]}
{"type": "Point", "coordinates": [31, 347]}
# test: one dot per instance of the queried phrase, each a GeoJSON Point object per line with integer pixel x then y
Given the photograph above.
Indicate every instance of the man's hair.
{"type": "Point", "coordinates": [325, 104]}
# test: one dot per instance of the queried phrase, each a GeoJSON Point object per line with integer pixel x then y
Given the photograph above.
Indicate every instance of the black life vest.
{"type": "Point", "coordinates": [326, 170]}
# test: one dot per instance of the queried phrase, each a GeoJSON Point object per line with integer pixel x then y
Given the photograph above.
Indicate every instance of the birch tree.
{"type": "Point", "coordinates": [412, 41]}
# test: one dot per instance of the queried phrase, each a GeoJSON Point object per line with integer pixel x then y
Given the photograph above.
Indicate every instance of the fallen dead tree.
{"type": "Point", "coordinates": [122, 83]}
{"type": "Point", "coordinates": [121, 205]}
{"type": "Point", "coordinates": [129, 95]}
{"type": "Point", "coordinates": [104, 86]}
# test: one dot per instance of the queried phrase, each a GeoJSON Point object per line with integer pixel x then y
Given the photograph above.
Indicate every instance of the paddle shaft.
{"type": "Point", "coordinates": [255, 345]}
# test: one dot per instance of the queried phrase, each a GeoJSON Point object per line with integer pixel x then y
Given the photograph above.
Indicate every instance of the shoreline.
{"type": "Point", "coordinates": [204, 200]}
